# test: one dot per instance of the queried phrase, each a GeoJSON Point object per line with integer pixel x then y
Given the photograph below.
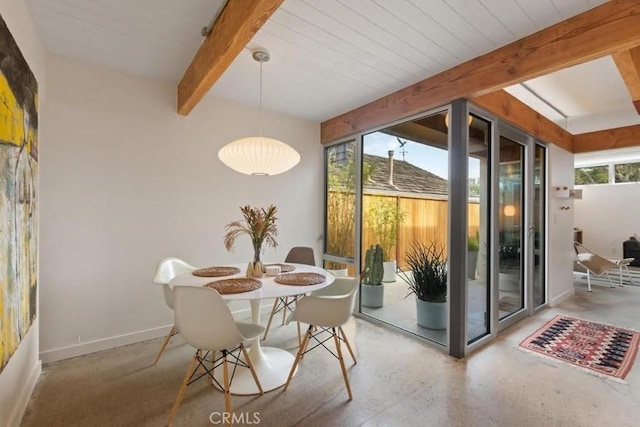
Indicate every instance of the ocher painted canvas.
{"type": "Point", "coordinates": [18, 195]}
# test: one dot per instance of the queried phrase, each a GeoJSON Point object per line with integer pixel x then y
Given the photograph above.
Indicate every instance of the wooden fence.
{"type": "Point", "coordinates": [425, 220]}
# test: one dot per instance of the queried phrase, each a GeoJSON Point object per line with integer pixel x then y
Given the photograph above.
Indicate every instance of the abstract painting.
{"type": "Point", "coordinates": [18, 195]}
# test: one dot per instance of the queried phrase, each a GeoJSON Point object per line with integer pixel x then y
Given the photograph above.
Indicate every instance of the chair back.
{"type": "Point", "coordinates": [301, 255]}
{"type": "Point", "coordinates": [166, 271]}
{"type": "Point", "coordinates": [328, 307]}
{"type": "Point", "coordinates": [593, 262]}
{"type": "Point", "coordinates": [204, 319]}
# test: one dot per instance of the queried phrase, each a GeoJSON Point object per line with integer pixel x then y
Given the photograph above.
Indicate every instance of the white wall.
{"type": "Point", "coordinates": [608, 214]}
{"type": "Point", "coordinates": [21, 373]}
{"type": "Point", "coordinates": [560, 246]}
{"type": "Point", "coordinates": [128, 181]}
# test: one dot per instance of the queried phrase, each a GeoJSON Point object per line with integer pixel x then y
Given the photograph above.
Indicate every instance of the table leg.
{"type": "Point", "coordinates": [272, 364]}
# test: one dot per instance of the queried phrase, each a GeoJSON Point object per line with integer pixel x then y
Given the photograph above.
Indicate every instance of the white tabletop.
{"type": "Point", "coordinates": [269, 289]}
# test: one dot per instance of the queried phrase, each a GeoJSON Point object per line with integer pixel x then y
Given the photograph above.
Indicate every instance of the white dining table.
{"type": "Point", "coordinates": [272, 364]}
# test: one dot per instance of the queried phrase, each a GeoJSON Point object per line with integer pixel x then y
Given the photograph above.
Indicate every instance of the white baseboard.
{"type": "Point", "coordinates": [562, 297]}
{"type": "Point", "coordinates": [25, 394]}
{"type": "Point", "coordinates": [75, 350]}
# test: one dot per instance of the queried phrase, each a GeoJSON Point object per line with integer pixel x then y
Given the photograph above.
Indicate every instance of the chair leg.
{"type": "Point", "coordinates": [172, 332]}
{"type": "Point", "coordinates": [273, 310]}
{"type": "Point", "coordinates": [303, 346]}
{"type": "Point", "coordinates": [346, 341]}
{"type": "Point", "coordinates": [185, 381]}
{"type": "Point", "coordinates": [299, 335]}
{"type": "Point", "coordinates": [227, 392]}
{"type": "Point", "coordinates": [251, 368]}
{"type": "Point", "coordinates": [588, 281]}
{"type": "Point", "coordinates": [341, 359]}
{"type": "Point", "coordinates": [285, 302]}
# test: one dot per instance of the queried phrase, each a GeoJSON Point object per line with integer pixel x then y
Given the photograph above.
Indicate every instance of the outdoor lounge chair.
{"type": "Point", "coordinates": [593, 263]}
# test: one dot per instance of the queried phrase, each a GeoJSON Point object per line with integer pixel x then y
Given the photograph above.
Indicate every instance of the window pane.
{"type": "Point", "coordinates": [341, 200]}
{"type": "Point", "coordinates": [592, 175]}
{"type": "Point", "coordinates": [405, 187]}
{"type": "Point", "coordinates": [627, 172]}
{"type": "Point", "coordinates": [478, 290]}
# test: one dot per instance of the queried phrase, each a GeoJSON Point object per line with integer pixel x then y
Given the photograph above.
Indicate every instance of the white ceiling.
{"type": "Point", "coordinates": [584, 98]}
{"type": "Point", "coordinates": [330, 56]}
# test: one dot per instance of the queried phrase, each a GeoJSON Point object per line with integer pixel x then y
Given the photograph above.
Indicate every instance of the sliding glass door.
{"type": "Point", "coordinates": [511, 217]}
{"type": "Point", "coordinates": [451, 206]}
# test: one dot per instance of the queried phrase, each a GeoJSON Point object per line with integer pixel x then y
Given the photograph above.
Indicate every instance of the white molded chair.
{"type": "Point", "coordinates": [297, 255]}
{"type": "Point", "coordinates": [167, 270]}
{"type": "Point", "coordinates": [325, 311]}
{"type": "Point", "coordinates": [205, 322]}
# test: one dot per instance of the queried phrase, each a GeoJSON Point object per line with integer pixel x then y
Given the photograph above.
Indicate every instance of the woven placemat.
{"type": "Point", "coordinates": [300, 279]}
{"type": "Point", "coordinates": [235, 286]}
{"type": "Point", "coordinates": [216, 271]}
{"type": "Point", "coordinates": [284, 268]}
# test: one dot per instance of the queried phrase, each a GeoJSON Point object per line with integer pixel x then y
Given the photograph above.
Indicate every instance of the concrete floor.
{"type": "Point", "coordinates": [398, 381]}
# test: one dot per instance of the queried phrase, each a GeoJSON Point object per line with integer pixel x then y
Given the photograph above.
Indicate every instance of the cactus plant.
{"type": "Point", "coordinates": [373, 270]}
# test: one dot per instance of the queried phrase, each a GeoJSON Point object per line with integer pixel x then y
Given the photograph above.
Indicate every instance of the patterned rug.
{"type": "Point", "coordinates": [601, 349]}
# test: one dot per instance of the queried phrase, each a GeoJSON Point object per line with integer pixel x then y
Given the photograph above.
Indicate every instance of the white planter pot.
{"type": "Point", "coordinates": [431, 315]}
{"type": "Point", "coordinates": [372, 295]}
{"type": "Point", "coordinates": [389, 268]}
{"type": "Point", "coordinates": [472, 263]}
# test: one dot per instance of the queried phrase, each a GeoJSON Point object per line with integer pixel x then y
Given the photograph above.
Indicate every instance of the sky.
{"type": "Point", "coordinates": [432, 159]}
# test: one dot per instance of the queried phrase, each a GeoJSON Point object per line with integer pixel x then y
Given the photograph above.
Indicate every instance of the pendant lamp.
{"type": "Point", "coordinates": [446, 119]}
{"type": "Point", "coordinates": [258, 155]}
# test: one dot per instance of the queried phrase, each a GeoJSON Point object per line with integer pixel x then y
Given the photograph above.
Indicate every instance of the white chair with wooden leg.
{"type": "Point", "coordinates": [205, 322]}
{"type": "Point", "coordinates": [297, 255]}
{"type": "Point", "coordinates": [167, 270]}
{"type": "Point", "coordinates": [325, 311]}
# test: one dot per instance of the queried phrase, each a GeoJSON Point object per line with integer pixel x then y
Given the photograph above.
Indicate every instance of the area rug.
{"type": "Point", "coordinates": [601, 349]}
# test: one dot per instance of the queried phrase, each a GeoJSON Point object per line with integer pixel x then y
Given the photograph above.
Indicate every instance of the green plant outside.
{"type": "Point", "coordinates": [341, 204]}
{"type": "Point", "coordinates": [383, 217]}
{"type": "Point", "coordinates": [373, 270]}
{"type": "Point", "coordinates": [473, 244]}
{"type": "Point", "coordinates": [428, 267]}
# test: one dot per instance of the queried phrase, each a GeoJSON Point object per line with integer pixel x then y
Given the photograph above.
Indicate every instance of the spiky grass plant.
{"type": "Point", "coordinates": [259, 224]}
{"type": "Point", "coordinates": [428, 272]}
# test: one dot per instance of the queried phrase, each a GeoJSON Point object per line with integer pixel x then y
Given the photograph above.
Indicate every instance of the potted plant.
{"type": "Point", "coordinates": [260, 225]}
{"type": "Point", "coordinates": [383, 218]}
{"type": "Point", "coordinates": [371, 278]}
{"type": "Point", "coordinates": [427, 280]}
{"type": "Point", "coordinates": [473, 247]}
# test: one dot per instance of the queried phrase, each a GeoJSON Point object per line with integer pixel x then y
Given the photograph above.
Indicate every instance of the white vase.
{"type": "Point", "coordinates": [431, 315]}
{"type": "Point", "coordinates": [389, 268]}
{"type": "Point", "coordinates": [372, 295]}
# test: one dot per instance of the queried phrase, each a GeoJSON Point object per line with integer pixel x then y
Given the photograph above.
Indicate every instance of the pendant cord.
{"type": "Point", "coordinates": [260, 99]}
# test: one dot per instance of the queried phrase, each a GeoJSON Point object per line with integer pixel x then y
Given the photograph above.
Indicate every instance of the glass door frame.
{"type": "Point", "coordinates": [457, 343]}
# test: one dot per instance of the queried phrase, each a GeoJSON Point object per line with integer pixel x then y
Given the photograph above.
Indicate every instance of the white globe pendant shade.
{"type": "Point", "coordinates": [258, 155]}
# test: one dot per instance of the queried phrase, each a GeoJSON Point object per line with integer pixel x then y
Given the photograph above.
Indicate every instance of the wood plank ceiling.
{"type": "Point", "coordinates": [328, 57]}
{"type": "Point", "coordinates": [604, 30]}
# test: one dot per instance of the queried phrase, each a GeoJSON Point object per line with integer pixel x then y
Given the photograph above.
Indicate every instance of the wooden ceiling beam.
{"type": "Point", "coordinates": [628, 63]}
{"type": "Point", "coordinates": [627, 136]}
{"type": "Point", "coordinates": [600, 31]}
{"type": "Point", "coordinates": [236, 25]}
{"type": "Point", "coordinates": [511, 109]}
